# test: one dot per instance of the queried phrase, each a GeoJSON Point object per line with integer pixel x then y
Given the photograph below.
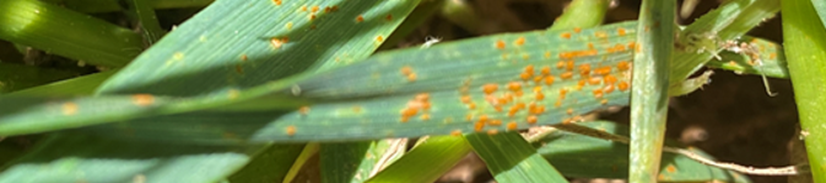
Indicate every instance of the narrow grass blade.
{"type": "Point", "coordinates": [820, 9]}
{"type": "Point", "coordinates": [649, 87]}
{"type": "Point", "coordinates": [40, 114]}
{"type": "Point", "coordinates": [142, 13]}
{"type": "Point", "coordinates": [806, 53]}
{"type": "Point", "coordinates": [67, 33]}
{"type": "Point", "coordinates": [310, 150]}
{"type": "Point", "coordinates": [426, 162]}
{"type": "Point", "coordinates": [14, 77]}
{"type": "Point", "coordinates": [769, 60]}
{"type": "Point", "coordinates": [100, 6]}
{"type": "Point", "coordinates": [388, 94]}
{"type": "Point", "coordinates": [340, 162]}
{"type": "Point", "coordinates": [582, 14]}
{"type": "Point", "coordinates": [270, 164]}
{"type": "Point", "coordinates": [512, 159]}
{"type": "Point", "coordinates": [58, 159]}
{"type": "Point", "coordinates": [197, 78]}
{"type": "Point", "coordinates": [702, 40]}
{"type": "Point", "coordinates": [83, 85]}
{"type": "Point", "coordinates": [581, 156]}
{"type": "Point", "coordinates": [214, 52]}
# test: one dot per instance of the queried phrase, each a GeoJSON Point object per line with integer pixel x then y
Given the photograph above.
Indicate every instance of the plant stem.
{"type": "Point", "coordinates": [805, 46]}
{"type": "Point", "coordinates": [649, 88]}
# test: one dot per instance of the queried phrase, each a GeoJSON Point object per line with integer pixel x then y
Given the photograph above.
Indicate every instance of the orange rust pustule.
{"type": "Point", "coordinates": [538, 110]}
{"type": "Point", "coordinates": [243, 57]}
{"type": "Point", "coordinates": [495, 122]}
{"type": "Point", "coordinates": [290, 130]}
{"type": "Point", "coordinates": [424, 117]}
{"type": "Point", "coordinates": [490, 88]}
{"type": "Point", "coordinates": [562, 92]}
{"type": "Point", "coordinates": [595, 80]}
{"type": "Point", "coordinates": [515, 86]}
{"type": "Point", "coordinates": [360, 19]}
{"type": "Point", "coordinates": [539, 96]}
{"type": "Point", "coordinates": [616, 48]}
{"type": "Point", "coordinates": [465, 99]}
{"type": "Point", "coordinates": [525, 76]}
{"type": "Point", "coordinates": [632, 45]}
{"type": "Point", "coordinates": [478, 126]}
{"type": "Point", "coordinates": [566, 75]}
{"type": "Point", "coordinates": [412, 77]}
{"type": "Point", "coordinates": [389, 17]}
{"type": "Point", "coordinates": [623, 86]}
{"type": "Point", "coordinates": [566, 35]}
{"type": "Point", "coordinates": [456, 133]}
{"type": "Point", "coordinates": [601, 34]}
{"type": "Point", "coordinates": [581, 84]}
{"type": "Point", "coordinates": [304, 110]}
{"type": "Point", "coordinates": [532, 119]}
{"type": "Point", "coordinates": [493, 132]}
{"type": "Point", "coordinates": [609, 79]}
{"type": "Point", "coordinates": [576, 54]}
{"type": "Point", "coordinates": [278, 42]}
{"type": "Point", "coordinates": [608, 89]}
{"type": "Point", "coordinates": [143, 99]}
{"type": "Point", "coordinates": [560, 64]}
{"type": "Point", "coordinates": [512, 125]}
{"type": "Point", "coordinates": [671, 169]}
{"type": "Point", "coordinates": [569, 66]}
{"type": "Point", "coordinates": [577, 29]}
{"type": "Point", "coordinates": [598, 93]}
{"type": "Point", "coordinates": [420, 102]}
{"type": "Point", "coordinates": [623, 65]}
{"type": "Point", "coordinates": [314, 9]}
{"type": "Point", "coordinates": [69, 108]}
{"type": "Point", "coordinates": [407, 113]}
{"type": "Point", "coordinates": [549, 80]}
{"type": "Point", "coordinates": [545, 71]}
{"type": "Point", "coordinates": [277, 2]}
{"type": "Point", "coordinates": [537, 80]}
{"type": "Point", "coordinates": [239, 69]}
{"type": "Point", "coordinates": [328, 9]}
{"type": "Point", "coordinates": [406, 70]}
{"type": "Point", "coordinates": [483, 118]}
{"type": "Point", "coordinates": [408, 73]}
{"type": "Point", "coordinates": [603, 70]}
{"type": "Point", "coordinates": [529, 69]}
{"type": "Point", "coordinates": [584, 69]}
{"type": "Point", "coordinates": [500, 44]}
{"type": "Point", "coordinates": [519, 41]}
{"type": "Point", "coordinates": [621, 31]}
{"type": "Point", "coordinates": [422, 97]}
